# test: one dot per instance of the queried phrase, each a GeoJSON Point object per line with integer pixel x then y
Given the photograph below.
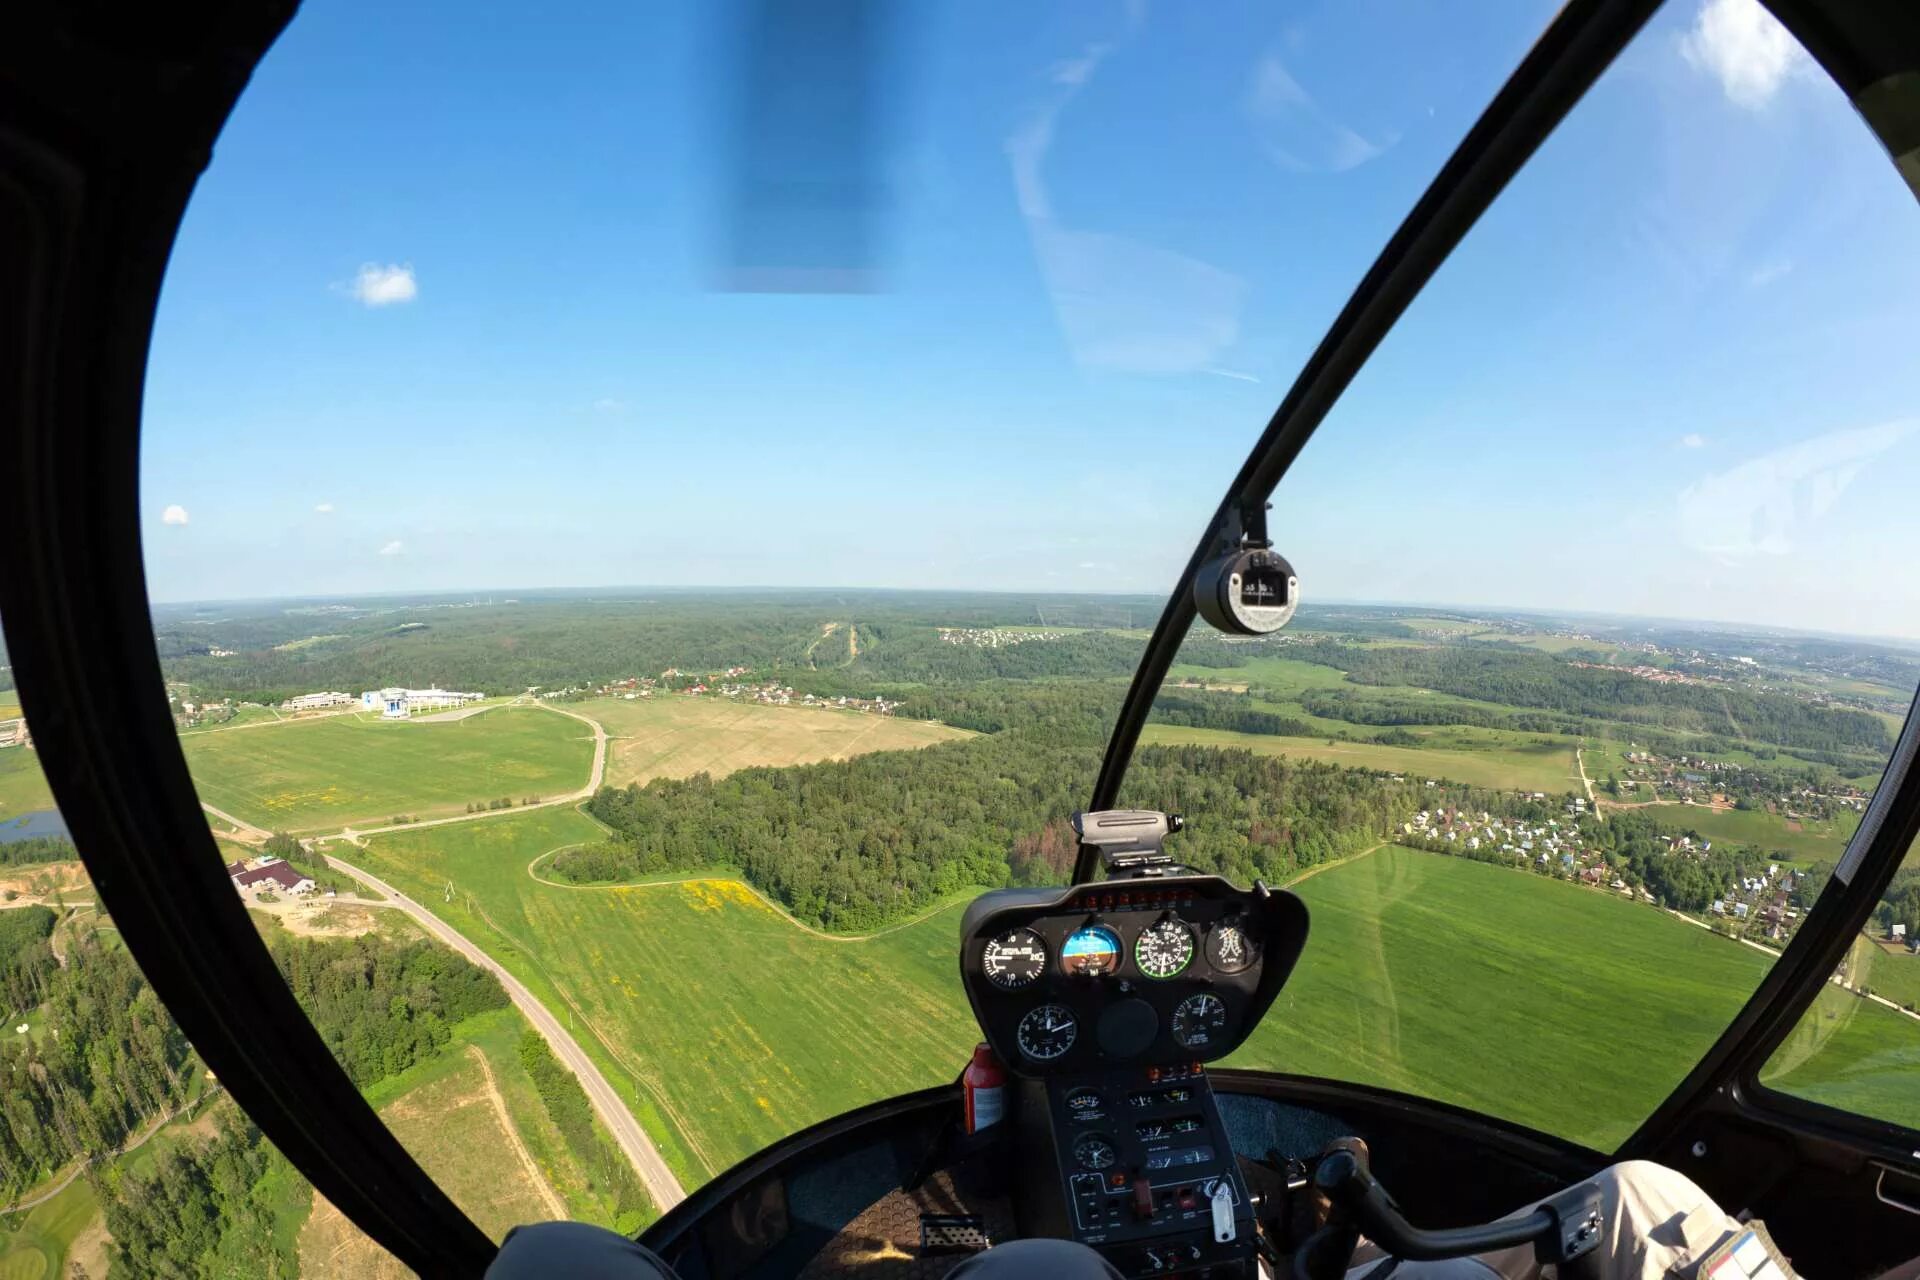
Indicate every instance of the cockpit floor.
{"type": "Point", "coordinates": [883, 1242]}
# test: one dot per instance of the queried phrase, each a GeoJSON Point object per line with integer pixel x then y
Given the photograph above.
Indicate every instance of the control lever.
{"type": "Point", "coordinates": [1560, 1230]}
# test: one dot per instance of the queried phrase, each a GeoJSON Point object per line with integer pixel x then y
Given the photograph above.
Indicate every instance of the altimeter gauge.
{"type": "Point", "coordinates": [1164, 949]}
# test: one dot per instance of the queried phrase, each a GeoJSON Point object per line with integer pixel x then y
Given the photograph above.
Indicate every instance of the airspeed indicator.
{"type": "Point", "coordinates": [1014, 959]}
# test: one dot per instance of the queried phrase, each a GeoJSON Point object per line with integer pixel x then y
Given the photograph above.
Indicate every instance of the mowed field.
{"type": "Point", "coordinates": [23, 788]}
{"type": "Point", "coordinates": [323, 774]}
{"type": "Point", "coordinates": [725, 1024]}
{"type": "Point", "coordinates": [1514, 767]}
{"type": "Point", "coordinates": [676, 737]}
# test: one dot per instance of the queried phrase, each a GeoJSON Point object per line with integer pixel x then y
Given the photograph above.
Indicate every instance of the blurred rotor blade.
{"type": "Point", "coordinates": [806, 120]}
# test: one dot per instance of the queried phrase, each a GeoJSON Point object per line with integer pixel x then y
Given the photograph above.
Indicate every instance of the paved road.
{"type": "Point", "coordinates": [632, 1139]}
{"type": "Point", "coordinates": [640, 1151]}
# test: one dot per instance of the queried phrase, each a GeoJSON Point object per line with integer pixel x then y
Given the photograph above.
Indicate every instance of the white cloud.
{"type": "Point", "coordinates": [1693, 440]}
{"type": "Point", "coordinates": [1745, 48]}
{"type": "Point", "coordinates": [1765, 274]}
{"type": "Point", "coordinates": [379, 286]}
{"type": "Point", "coordinates": [392, 548]}
{"type": "Point", "coordinates": [1231, 373]}
{"type": "Point", "coordinates": [324, 508]}
{"type": "Point", "coordinates": [1296, 133]}
{"type": "Point", "coordinates": [175, 514]}
{"type": "Point", "coordinates": [607, 404]}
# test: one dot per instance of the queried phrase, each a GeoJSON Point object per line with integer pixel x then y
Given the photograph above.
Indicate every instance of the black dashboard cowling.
{"type": "Point", "coordinates": [1123, 1016]}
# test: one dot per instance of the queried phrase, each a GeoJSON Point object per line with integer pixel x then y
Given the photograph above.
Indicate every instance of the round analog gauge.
{"type": "Point", "coordinates": [1199, 1021]}
{"type": "Point", "coordinates": [1014, 959]}
{"type": "Point", "coordinates": [1230, 949]}
{"type": "Point", "coordinates": [1094, 1152]}
{"type": "Point", "coordinates": [1047, 1032]}
{"type": "Point", "coordinates": [1091, 952]}
{"type": "Point", "coordinates": [1164, 949]}
{"type": "Point", "coordinates": [1086, 1104]}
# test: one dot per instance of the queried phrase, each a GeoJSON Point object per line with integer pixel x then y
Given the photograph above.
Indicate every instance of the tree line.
{"type": "Point", "coordinates": [853, 844]}
{"type": "Point", "coordinates": [1524, 679]}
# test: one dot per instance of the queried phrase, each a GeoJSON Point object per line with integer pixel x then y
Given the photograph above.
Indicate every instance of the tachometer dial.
{"type": "Point", "coordinates": [1230, 949]}
{"type": "Point", "coordinates": [1199, 1021]}
{"type": "Point", "coordinates": [1047, 1032]}
{"type": "Point", "coordinates": [1094, 1152]}
{"type": "Point", "coordinates": [1014, 959]}
{"type": "Point", "coordinates": [1164, 949]}
{"type": "Point", "coordinates": [1091, 952]}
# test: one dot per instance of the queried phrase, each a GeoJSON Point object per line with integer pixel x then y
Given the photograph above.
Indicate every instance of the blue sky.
{"type": "Point", "coordinates": [444, 315]}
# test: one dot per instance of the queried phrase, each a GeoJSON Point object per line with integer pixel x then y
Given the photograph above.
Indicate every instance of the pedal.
{"type": "Point", "coordinates": [953, 1233]}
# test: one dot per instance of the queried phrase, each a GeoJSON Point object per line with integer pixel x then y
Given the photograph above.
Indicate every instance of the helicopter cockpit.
{"type": "Point", "coordinates": [1285, 938]}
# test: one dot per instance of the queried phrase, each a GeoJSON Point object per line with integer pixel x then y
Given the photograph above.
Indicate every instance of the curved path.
{"type": "Point", "coordinates": [632, 1139]}
{"type": "Point", "coordinates": [951, 901]}
{"type": "Point", "coordinates": [645, 1158]}
{"type": "Point", "coordinates": [81, 1167]}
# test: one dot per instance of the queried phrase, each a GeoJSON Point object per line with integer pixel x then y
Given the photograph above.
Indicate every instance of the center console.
{"type": "Point", "coordinates": [1146, 1173]}
{"type": "Point", "coordinates": [1108, 999]}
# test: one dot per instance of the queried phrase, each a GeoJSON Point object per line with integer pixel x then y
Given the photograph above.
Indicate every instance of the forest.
{"type": "Point", "coordinates": [117, 1061]}
{"type": "Point", "coordinates": [35, 850]}
{"type": "Point", "coordinates": [851, 845]}
{"type": "Point", "coordinates": [1525, 679]}
{"type": "Point", "coordinates": [382, 1006]}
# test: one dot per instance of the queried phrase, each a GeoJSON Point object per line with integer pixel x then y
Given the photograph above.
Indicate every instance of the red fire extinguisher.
{"type": "Point", "coordinates": [984, 1083]}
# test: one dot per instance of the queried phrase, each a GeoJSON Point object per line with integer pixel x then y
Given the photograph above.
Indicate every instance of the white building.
{"type": "Point", "coordinates": [317, 701]}
{"type": "Point", "coordinates": [398, 704]}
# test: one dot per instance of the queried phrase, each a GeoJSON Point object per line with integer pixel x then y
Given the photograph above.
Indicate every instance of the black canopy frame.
{"type": "Point", "coordinates": [107, 117]}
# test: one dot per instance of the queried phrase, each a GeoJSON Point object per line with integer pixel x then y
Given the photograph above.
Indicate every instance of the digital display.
{"type": "Point", "coordinates": [1091, 952]}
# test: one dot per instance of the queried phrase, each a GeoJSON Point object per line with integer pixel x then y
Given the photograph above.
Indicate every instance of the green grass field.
{"type": "Point", "coordinates": [669, 736]}
{"type": "Point", "coordinates": [1852, 1054]}
{"type": "Point", "coordinates": [1511, 767]}
{"type": "Point", "coordinates": [1825, 839]}
{"type": "Point", "coordinates": [1502, 991]}
{"type": "Point", "coordinates": [322, 774]}
{"type": "Point", "coordinates": [23, 788]}
{"type": "Point", "coordinates": [1889, 972]}
{"type": "Point", "coordinates": [727, 1026]}
{"type": "Point", "coordinates": [35, 1244]}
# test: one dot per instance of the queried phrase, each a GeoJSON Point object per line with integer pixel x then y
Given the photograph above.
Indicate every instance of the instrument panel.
{"type": "Point", "coordinates": [1126, 972]}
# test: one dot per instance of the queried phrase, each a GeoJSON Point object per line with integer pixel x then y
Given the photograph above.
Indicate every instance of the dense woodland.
{"type": "Point", "coordinates": [854, 844]}
{"type": "Point", "coordinates": [117, 1061]}
{"type": "Point", "coordinates": [204, 1209]}
{"type": "Point", "coordinates": [37, 849]}
{"type": "Point", "coordinates": [382, 1006]}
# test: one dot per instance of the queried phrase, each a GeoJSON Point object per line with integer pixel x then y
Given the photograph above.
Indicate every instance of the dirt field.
{"type": "Point", "coordinates": [331, 1248]}
{"type": "Point", "coordinates": [457, 1127]}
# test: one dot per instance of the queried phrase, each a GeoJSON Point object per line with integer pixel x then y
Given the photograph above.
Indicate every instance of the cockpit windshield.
{"type": "Point", "coordinates": [651, 511]}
